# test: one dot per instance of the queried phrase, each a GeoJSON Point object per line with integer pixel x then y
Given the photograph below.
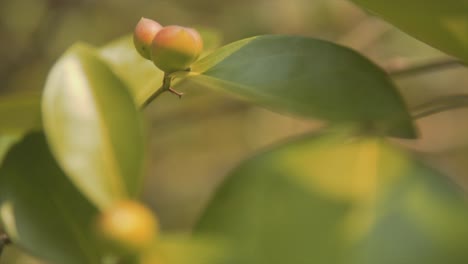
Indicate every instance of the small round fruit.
{"type": "Point", "coordinates": [143, 35]}
{"type": "Point", "coordinates": [175, 48]}
{"type": "Point", "coordinates": [128, 225]}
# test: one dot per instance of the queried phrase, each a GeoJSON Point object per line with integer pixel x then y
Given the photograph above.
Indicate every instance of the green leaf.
{"type": "Point", "coordinates": [180, 249]}
{"type": "Point", "coordinates": [338, 200]}
{"type": "Point", "coordinates": [20, 112]}
{"type": "Point", "coordinates": [42, 210]}
{"type": "Point", "coordinates": [93, 126]}
{"type": "Point", "coordinates": [141, 75]}
{"type": "Point", "coordinates": [6, 141]}
{"type": "Point", "coordinates": [442, 24]}
{"type": "Point", "coordinates": [307, 77]}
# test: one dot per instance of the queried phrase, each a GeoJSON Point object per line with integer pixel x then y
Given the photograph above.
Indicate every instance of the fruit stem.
{"type": "Point", "coordinates": [166, 86]}
{"type": "Point", "coordinates": [175, 92]}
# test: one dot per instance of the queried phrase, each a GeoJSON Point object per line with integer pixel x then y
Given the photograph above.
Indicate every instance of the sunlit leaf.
{"type": "Point", "coordinates": [141, 75]}
{"type": "Point", "coordinates": [93, 126]}
{"type": "Point", "coordinates": [307, 77]}
{"type": "Point", "coordinates": [42, 210]}
{"type": "Point", "coordinates": [336, 199]}
{"type": "Point", "coordinates": [442, 24]}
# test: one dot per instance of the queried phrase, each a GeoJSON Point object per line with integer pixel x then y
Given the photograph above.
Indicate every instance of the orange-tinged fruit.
{"type": "Point", "coordinates": [128, 225]}
{"type": "Point", "coordinates": [175, 48]}
{"type": "Point", "coordinates": [143, 36]}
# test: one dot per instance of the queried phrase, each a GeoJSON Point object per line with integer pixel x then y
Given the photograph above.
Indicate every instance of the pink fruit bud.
{"type": "Point", "coordinates": [143, 35]}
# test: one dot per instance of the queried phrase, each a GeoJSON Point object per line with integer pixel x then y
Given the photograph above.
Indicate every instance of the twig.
{"type": "Point", "coordinates": [166, 86]}
{"type": "Point", "coordinates": [439, 105]}
{"type": "Point", "coordinates": [402, 69]}
{"type": "Point", "coordinates": [175, 92]}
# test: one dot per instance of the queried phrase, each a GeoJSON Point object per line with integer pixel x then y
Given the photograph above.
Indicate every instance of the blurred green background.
{"type": "Point", "coordinates": [194, 142]}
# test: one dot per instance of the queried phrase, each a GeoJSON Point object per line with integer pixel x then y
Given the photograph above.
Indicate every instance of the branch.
{"type": "Point", "coordinates": [399, 68]}
{"type": "Point", "coordinates": [402, 69]}
{"type": "Point", "coordinates": [439, 105]}
{"type": "Point", "coordinates": [166, 86]}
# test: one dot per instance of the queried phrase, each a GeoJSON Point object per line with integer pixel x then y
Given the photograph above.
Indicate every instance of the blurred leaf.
{"type": "Point", "coordinates": [14, 255]}
{"type": "Point", "coordinates": [308, 77]}
{"type": "Point", "coordinates": [41, 209]}
{"type": "Point", "coordinates": [20, 112]}
{"type": "Point", "coordinates": [6, 141]}
{"type": "Point", "coordinates": [93, 127]}
{"type": "Point", "coordinates": [211, 39]}
{"type": "Point", "coordinates": [442, 24]}
{"type": "Point", "coordinates": [335, 199]}
{"type": "Point", "coordinates": [141, 75]}
{"type": "Point", "coordinates": [178, 249]}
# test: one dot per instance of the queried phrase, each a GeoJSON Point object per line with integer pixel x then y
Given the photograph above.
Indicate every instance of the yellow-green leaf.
{"type": "Point", "coordinates": [335, 199]}
{"type": "Point", "coordinates": [93, 126]}
{"type": "Point", "coordinates": [442, 24]}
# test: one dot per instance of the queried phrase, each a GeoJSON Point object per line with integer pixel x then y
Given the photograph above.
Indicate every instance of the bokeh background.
{"type": "Point", "coordinates": [195, 141]}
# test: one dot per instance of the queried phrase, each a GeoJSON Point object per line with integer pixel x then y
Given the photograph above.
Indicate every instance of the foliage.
{"type": "Point", "coordinates": [441, 24]}
{"type": "Point", "coordinates": [337, 199]}
{"type": "Point", "coordinates": [344, 194]}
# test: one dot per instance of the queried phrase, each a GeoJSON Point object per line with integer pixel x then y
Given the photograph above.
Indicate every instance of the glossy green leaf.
{"type": "Point", "coordinates": [338, 200]}
{"type": "Point", "coordinates": [141, 75]}
{"type": "Point", "coordinates": [93, 126]}
{"type": "Point", "coordinates": [41, 210]}
{"type": "Point", "coordinates": [442, 24]}
{"type": "Point", "coordinates": [307, 77]}
{"type": "Point", "coordinates": [20, 112]}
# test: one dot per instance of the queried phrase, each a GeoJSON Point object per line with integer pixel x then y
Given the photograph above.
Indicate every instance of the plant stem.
{"type": "Point", "coordinates": [420, 68]}
{"type": "Point", "coordinates": [4, 240]}
{"type": "Point", "coordinates": [166, 86]}
{"type": "Point", "coordinates": [439, 105]}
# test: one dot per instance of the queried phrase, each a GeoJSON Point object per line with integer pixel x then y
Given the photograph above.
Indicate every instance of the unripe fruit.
{"type": "Point", "coordinates": [128, 226]}
{"type": "Point", "coordinates": [144, 34]}
{"type": "Point", "coordinates": [175, 48]}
